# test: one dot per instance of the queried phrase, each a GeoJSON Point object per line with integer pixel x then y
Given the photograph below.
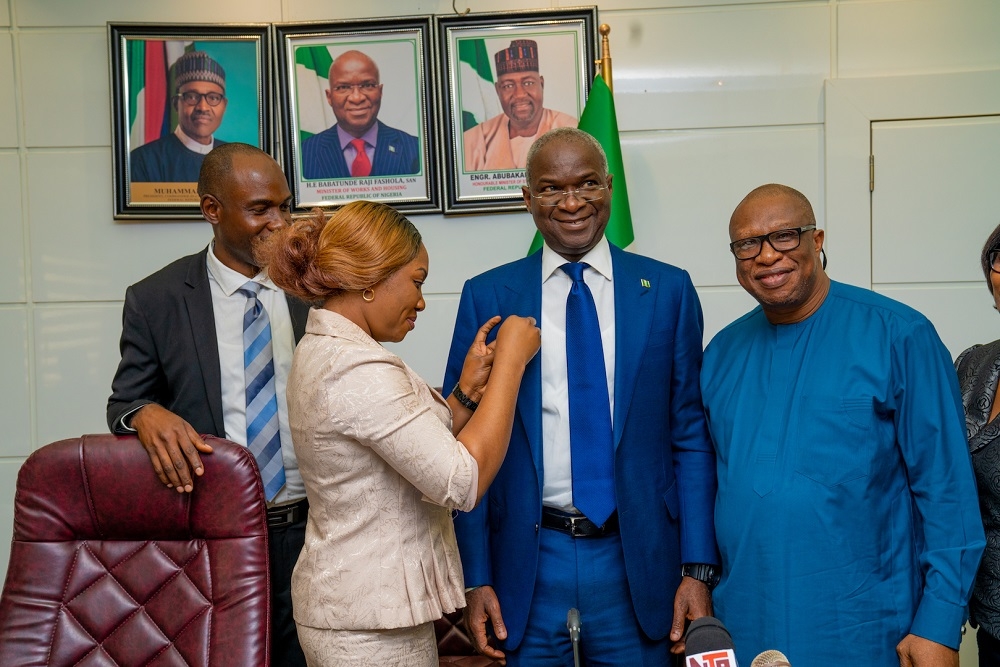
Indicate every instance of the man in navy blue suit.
{"type": "Point", "coordinates": [528, 553]}
{"type": "Point", "coordinates": [359, 144]}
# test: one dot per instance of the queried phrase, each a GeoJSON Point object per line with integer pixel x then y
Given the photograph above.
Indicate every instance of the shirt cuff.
{"type": "Point", "coordinates": [124, 423]}
{"type": "Point", "coordinates": [939, 621]}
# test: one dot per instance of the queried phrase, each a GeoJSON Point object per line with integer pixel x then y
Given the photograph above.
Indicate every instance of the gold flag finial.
{"type": "Point", "coordinates": [604, 62]}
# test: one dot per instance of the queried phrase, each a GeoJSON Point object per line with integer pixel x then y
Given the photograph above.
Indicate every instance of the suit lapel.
{"type": "Point", "coordinates": [387, 153]}
{"type": "Point", "coordinates": [298, 311]}
{"type": "Point", "coordinates": [521, 294]}
{"type": "Point", "coordinates": [198, 300]}
{"type": "Point", "coordinates": [634, 305]}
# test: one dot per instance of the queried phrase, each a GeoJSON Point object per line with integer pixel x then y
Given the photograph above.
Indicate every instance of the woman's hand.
{"type": "Point", "coordinates": [478, 362]}
{"type": "Point", "coordinates": [518, 339]}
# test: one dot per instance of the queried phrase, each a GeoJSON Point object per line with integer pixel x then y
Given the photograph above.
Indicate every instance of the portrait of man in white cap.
{"type": "Point", "coordinates": [199, 85]}
{"type": "Point", "coordinates": [502, 142]}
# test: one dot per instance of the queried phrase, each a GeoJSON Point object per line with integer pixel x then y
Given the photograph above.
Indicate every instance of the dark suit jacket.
{"type": "Point", "coordinates": [170, 354]}
{"type": "Point", "coordinates": [396, 154]}
{"type": "Point", "coordinates": [664, 461]}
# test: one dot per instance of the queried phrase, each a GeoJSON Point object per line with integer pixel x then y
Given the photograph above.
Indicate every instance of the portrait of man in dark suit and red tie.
{"type": "Point", "coordinates": [359, 144]}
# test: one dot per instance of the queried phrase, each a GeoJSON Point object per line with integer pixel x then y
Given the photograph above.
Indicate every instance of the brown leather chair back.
{"type": "Point", "coordinates": [109, 567]}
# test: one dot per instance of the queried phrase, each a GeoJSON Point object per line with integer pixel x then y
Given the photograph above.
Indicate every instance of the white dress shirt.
{"type": "Point", "coordinates": [229, 305]}
{"type": "Point", "coordinates": [557, 487]}
{"type": "Point", "coordinates": [191, 144]}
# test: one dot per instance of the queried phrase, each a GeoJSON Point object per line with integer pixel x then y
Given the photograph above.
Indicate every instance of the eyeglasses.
{"type": "Point", "coordinates": [782, 240]}
{"type": "Point", "coordinates": [366, 88]}
{"type": "Point", "coordinates": [192, 98]}
{"type": "Point", "coordinates": [556, 197]}
{"type": "Point", "coordinates": [995, 260]}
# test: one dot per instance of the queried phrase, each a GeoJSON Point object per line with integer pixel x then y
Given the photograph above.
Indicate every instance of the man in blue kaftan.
{"type": "Point", "coordinates": [846, 511]}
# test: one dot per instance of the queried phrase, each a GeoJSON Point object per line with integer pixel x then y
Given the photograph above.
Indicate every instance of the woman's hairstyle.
{"type": "Point", "coordinates": [992, 243]}
{"type": "Point", "coordinates": [361, 244]}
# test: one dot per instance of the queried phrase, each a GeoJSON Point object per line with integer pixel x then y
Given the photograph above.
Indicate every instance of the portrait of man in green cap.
{"type": "Point", "coordinates": [198, 83]}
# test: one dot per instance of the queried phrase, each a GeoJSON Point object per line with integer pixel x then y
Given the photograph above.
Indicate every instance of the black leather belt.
{"type": "Point", "coordinates": [577, 525]}
{"type": "Point", "coordinates": [286, 515]}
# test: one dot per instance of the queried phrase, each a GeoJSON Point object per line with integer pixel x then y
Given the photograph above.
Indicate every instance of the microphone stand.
{"type": "Point", "coordinates": [573, 625]}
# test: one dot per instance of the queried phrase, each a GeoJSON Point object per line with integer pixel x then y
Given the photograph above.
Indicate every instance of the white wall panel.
{"type": "Point", "coordinates": [610, 5]}
{"type": "Point", "coordinates": [11, 230]}
{"type": "Point", "coordinates": [425, 349]}
{"type": "Point", "coordinates": [962, 313]}
{"type": "Point", "coordinates": [4, 12]}
{"type": "Point", "coordinates": [57, 13]}
{"type": "Point", "coordinates": [76, 354]}
{"type": "Point", "coordinates": [935, 199]}
{"type": "Point", "coordinates": [15, 413]}
{"type": "Point", "coordinates": [65, 88]}
{"type": "Point", "coordinates": [684, 186]}
{"type": "Point", "coordinates": [8, 482]}
{"type": "Point", "coordinates": [8, 113]}
{"type": "Point", "coordinates": [717, 68]}
{"type": "Point", "coordinates": [321, 10]}
{"type": "Point", "coordinates": [917, 36]}
{"type": "Point", "coordinates": [78, 253]}
{"type": "Point", "coordinates": [721, 306]}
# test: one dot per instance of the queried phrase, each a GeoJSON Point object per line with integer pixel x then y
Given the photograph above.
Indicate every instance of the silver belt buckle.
{"type": "Point", "coordinates": [575, 521]}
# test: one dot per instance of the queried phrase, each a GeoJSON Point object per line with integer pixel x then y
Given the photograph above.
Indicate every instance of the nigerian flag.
{"type": "Point", "coordinates": [475, 76]}
{"type": "Point", "coordinates": [599, 121]}
{"type": "Point", "coordinates": [312, 69]}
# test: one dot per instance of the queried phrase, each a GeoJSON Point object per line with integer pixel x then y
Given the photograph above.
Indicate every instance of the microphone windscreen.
{"type": "Point", "coordinates": [771, 659]}
{"type": "Point", "coordinates": [706, 634]}
{"type": "Point", "coordinates": [573, 619]}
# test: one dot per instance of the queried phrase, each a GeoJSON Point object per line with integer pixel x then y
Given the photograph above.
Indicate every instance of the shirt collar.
{"type": "Point", "coordinates": [370, 136]}
{"type": "Point", "coordinates": [230, 280]}
{"type": "Point", "coordinates": [599, 258]}
{"type": "Point", "coordinates": [192, 145]}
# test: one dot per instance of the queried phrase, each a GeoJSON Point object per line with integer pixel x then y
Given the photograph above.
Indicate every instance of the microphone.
{"type": "Point", "coordinates": [573, 625]}
{"type": "Point", "coordinates": [708, 644]}
{"type": "Point", "coordinates": [771, 659]}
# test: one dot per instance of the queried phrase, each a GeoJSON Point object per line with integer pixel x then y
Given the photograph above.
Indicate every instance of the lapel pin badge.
{"type": "Point", "coordinates": [644, 282]}
{"type": "Point", "coordinates": [392, 149]}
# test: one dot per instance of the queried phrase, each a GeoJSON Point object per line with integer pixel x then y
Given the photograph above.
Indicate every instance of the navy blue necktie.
{"type": "Point", "coordinates": [263, 435]}
{"type": "Point", "coordinates": [592, 450]}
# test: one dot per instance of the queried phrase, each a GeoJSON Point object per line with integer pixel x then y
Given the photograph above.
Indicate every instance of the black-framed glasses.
{"type": "Point", "coordinates": [556, 197]}
{"type": "Point", "coordinates": [366, 88]}
{"type": "Point", "coordinates": [995, 260]}
{"type": "Point", "coordinates": [782, 240]}
{"type": "Point", "coordinates": [192, 98]}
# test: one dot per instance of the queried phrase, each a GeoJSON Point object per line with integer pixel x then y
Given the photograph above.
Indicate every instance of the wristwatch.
{"type": "Point", "coordinates": [707, 574]}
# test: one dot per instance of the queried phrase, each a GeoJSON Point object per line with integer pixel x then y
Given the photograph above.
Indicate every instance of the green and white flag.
{"type": "Point", "coordinates": [599, 121]}
{"type": "Point", "coordinates": [312, 67]}
{"type": "Point", "coordinates": [475, 76]}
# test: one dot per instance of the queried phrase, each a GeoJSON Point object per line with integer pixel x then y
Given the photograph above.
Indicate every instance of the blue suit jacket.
{"type": "Point", "coordinates": [396, 153]}
{"type": "Point", "coordinates": [664, 461]}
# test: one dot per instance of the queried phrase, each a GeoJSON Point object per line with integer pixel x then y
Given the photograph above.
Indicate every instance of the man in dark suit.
{"type": "Point", "coordinates": [359, 144]}
{"type": "Point", "coordinates": [530, 549]}
{"type": "Point", "coordinates": [182, 368]}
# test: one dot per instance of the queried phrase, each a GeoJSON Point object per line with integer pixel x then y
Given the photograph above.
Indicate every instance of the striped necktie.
{"type": "Point", "coordinates": [592, 452]}
{"type": "Point", "coordinates": [263, 436]}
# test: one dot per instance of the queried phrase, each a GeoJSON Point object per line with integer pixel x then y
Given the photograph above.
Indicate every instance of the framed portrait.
{"type": "Point", "coordinates": [176, 92]}
{"type": "Point", "coordinates": [507, 78]}
{"type": "Point", "coordinates": [358, 112]}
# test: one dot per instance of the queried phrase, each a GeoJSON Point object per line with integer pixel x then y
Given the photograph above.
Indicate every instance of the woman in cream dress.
{"type": "Point", "coordinates": [385, 459]}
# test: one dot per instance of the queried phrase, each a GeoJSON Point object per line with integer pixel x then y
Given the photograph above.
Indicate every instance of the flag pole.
{"type": "Point", "coordinates": [604, 62]}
